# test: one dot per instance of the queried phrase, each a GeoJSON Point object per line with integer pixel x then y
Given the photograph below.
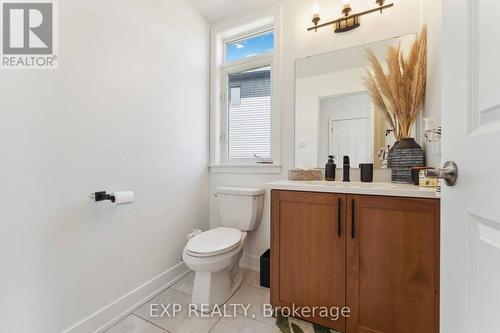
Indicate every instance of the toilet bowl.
{"type": "Point", "coordinates": [217, 275]}
{"type": "Point", "coordinates": [214, 255]}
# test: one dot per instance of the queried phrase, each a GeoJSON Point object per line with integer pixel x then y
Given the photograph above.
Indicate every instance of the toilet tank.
{"type": "Point", "coordinates": [240, 207]}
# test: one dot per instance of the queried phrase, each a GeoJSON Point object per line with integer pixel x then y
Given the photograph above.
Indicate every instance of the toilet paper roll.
{"type": "Point", "coordinates": [124, 197]}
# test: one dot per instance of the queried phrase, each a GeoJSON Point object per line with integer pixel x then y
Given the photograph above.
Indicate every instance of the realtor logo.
{"type": "Point", "coordinates": [28, 34]}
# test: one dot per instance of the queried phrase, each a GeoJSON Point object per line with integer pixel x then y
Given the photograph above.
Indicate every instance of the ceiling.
{"type": "Point", "coordinates": [217, 10]}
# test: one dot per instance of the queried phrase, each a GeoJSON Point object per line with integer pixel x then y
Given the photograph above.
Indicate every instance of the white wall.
{"type": "Point", "coordinates": [403, 19]}
{"type": "Point", "coordinates": [126, 110]}
{"type": "Point", "coordinates": [431, 16]}
{"type": "Point", "coordinates": [309, 92]}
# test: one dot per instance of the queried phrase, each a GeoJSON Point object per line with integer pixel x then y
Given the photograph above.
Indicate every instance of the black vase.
{"type": "Point", "coordinates": [406, 155]}
{"type": "Point", "coordinates": [389, 154]}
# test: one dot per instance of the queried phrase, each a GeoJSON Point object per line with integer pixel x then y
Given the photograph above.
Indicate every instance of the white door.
{"type": "Point", "coordinates": [470, 232]}
{"type": "Point", "coordinates": [350, 137]}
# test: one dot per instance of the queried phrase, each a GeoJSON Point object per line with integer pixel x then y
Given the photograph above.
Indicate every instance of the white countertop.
{"type": "Point", "coordinates": [385, 189]}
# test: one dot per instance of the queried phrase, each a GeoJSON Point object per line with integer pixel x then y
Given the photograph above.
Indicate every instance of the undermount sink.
{"type": "Point", "coordinates": [387, 189]}
{"type": "Point", "coordinates": [354, 184]}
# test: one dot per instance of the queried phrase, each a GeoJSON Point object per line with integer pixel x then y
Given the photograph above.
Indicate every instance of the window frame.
{"type": "Point", "coordinates": [227, 70]}
{"type": "Point", "coordinates": [223, 34]}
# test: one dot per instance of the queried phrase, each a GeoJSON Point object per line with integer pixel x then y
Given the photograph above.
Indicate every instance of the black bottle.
{"type": "Point", "coordinates": [347, 169]}
{"type": "Point", "coordinates": [330, 169]}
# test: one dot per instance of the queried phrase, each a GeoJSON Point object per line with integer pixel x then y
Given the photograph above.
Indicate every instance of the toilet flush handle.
{"type": "Point", "coordinates": [194, 233]}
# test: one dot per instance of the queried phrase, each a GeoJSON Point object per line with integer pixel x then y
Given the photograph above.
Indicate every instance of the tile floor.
{"type": "Point", "coordinates": [180, 293]}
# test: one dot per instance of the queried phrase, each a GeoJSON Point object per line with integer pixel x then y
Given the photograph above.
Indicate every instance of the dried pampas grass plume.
{"type": "Point", "coordinates": [399, 92]}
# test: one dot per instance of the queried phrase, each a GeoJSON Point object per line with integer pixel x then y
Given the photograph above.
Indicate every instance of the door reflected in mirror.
{"type": "Point", "coordinates": [334, 114]}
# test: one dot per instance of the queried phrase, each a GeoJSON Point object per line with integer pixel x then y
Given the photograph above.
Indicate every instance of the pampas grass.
{"type": "Point", "coordinates": [399, 92]}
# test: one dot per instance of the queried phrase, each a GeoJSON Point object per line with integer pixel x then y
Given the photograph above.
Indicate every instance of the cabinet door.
{"type": "Point", "coordinates": [308, 252]}
{"type": "Point", "coordinates": [392, 264]}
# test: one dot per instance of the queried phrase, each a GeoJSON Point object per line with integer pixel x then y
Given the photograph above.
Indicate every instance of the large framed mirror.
{"type": "Point", "coordinates": [334, 114]}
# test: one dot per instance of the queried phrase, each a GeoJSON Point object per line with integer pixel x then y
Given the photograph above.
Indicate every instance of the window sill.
{"type": "Point", "coordinates": [246, 168]}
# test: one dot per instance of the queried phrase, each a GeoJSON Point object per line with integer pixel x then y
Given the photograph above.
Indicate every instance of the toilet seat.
{"type": "Point", "coordinates": [213, 242]}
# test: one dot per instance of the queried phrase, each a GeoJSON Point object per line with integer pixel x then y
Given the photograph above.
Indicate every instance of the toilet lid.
{"type": "Point", "coordinates": [214, 241]}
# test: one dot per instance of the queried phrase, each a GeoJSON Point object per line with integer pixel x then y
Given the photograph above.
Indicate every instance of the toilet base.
{"type": "Point", "coordinates": [215, 288]}
{"type": "Point", "coordinates": [216, 279]}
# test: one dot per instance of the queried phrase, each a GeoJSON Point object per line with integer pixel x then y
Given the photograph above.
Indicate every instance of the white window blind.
{"type": "Point", "coordinates": [249, 122]}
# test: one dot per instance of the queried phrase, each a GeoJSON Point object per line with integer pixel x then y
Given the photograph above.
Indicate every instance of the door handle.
{"type": "Point", "coordinates": [449, 172]}
{"type": "Point", "coordinates": [353, 219]}
{"type": "Point", "coordinates": [339, 216]}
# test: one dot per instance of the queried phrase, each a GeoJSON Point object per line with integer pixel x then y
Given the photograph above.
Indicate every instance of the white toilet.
{"type": "Point", "coordinates": [214, 255]}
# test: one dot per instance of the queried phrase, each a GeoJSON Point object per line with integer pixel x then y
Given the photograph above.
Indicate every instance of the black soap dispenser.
{"type": "Point", "coordinates": [330, 169]}
{"type": "Point", "coordinates": [347, 169]}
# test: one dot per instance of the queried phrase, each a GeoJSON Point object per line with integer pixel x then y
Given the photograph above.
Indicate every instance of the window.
{"type": "Point", "coordinates": [235, 97]}
{"type": "Point", "coordinates": [249, 121]}
{"type": "Point", "coordinates": [247, 115]}
{"type": "Point", "coordinates": [250, 46]}
{"type": "Point", "coordinates": [244, 131]}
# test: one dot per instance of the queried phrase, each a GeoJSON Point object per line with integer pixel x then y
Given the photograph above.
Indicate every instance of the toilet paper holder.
{"type": "Point", "coordinates": [102, 195]}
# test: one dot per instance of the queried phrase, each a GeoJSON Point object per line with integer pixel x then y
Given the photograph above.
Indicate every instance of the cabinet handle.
{"type": "Point", "coordinates": [339, 227]}
{"type": "Point", "coordinates": [353, 219]}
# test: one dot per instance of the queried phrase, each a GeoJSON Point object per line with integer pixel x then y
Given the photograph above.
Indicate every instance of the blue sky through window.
{"type": "Point", "coordinates": [250, 47]}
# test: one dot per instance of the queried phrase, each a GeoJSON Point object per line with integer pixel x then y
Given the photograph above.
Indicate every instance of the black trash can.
{"type": "Point", "coordinates": [265, 269]}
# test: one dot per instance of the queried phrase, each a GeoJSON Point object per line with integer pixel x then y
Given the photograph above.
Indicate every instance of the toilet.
{"type": "Point", "coordinates": [214, 255]}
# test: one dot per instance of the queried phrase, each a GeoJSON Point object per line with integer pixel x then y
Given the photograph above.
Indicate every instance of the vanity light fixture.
{"type": "Point", "coordinates": [348, 21]}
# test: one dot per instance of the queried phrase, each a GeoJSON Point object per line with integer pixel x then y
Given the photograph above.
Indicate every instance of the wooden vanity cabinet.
{"type": "Point", "coordinates": [387, 273]}
{"type": "Point", "coordinates": [392, 264]}
{"type": "Point", "coordinates": [308, 252]}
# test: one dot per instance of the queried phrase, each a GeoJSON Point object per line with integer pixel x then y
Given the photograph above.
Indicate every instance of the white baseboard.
{"type": "Point", "coordinates": [123, 306]}
{"type": "Point", "coordinates": [250, 262]}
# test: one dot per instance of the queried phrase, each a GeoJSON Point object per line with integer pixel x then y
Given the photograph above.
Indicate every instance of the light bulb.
{"type": "Point", "coordinates": [346, 7]}
{"type": "Point", "coordinates": [316, 18]}
{"type": "Point", "coordinates": [315, 9]}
